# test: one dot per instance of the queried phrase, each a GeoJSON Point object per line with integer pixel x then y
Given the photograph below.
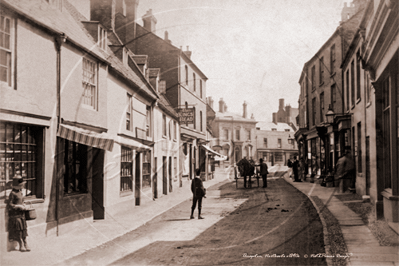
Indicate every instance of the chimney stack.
{"type": "Point", "coordinates": [244, 113]}
{"type": "Point", "coordinates": [149, 21]}
{"type": "Point", "coordinates": [167, 37]}
{"type": "Point", "coordinates": [275, 118]}
{"type": "Point", "coordinates": [221, 105]}
{"type": "Point", "coordinates": [187, 53]}
{"type": "Point", "coordinates": [210, 101]}
{"type": "Point", "coordinates": [281, 104]}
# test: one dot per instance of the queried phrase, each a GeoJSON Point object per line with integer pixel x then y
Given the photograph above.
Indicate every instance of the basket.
{"type": "Point", "coordinates": [31, 213]}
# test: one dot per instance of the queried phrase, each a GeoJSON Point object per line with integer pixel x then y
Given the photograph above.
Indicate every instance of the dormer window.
{"type": "Point", "coordinates": [102, 37]}
{"type": "Point", "coordinates": [274, 129]}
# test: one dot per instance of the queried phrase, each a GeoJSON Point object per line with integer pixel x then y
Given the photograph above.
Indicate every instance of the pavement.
{"type": "Point", "coordinates": [53, 250]}
{"type": "Point", "coordinates": [362, 246]}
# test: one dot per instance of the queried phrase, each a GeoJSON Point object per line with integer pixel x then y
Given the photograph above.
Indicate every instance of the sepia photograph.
{"type": "Point", "coordinates": [199, 132]}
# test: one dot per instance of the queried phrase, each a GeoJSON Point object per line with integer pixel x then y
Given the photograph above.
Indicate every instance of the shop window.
{"type": "Point", "coordinates": [6, 49]}
{"type": "Point", "coordinates": [75, 162]}
{"type": "Point", "coordinates": [89, 83]}
{"type": "Point", "coordinates": [19, 155]}
{"type": "Point", "coordinates": [146, 169]}
{"type": "Point", "coordinates": [126, 169]}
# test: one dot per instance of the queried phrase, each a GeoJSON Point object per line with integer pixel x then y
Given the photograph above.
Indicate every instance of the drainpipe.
{"type": "Point", "coordinates": [58, 43]}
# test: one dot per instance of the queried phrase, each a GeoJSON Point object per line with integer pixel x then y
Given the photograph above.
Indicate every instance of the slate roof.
{"type": "Point", "coordinates": [264, 125]}
{"type": "Point", "coordinates": [51, 18]}
{"type": "Point", "coordinates": [232, 117]}
{"type": "Point", "coordinates": [166, 106]}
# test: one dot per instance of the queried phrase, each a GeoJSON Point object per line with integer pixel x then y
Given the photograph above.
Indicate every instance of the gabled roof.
{"type": "Point", "coordinates": [55, 21]}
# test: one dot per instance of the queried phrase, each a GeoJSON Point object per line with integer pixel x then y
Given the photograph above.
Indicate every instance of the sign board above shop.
{"type": "Point", "coordinates": [186, 115]}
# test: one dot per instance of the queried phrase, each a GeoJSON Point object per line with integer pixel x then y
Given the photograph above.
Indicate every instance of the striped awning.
{"type": "Point", "coordinates": [86, 137]}
{"type": "Point", "coordinates": [123, 141]}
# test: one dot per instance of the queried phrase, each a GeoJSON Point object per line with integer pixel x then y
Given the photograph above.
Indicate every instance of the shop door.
{"type": "Point", "coordinates": [155, 180]}
{"type": "Point", "coordinates": [96, 166]}
{"type": "Point", "coordinates": [137, 190]}
{"type": "Point", "coordinates": [164, 175]}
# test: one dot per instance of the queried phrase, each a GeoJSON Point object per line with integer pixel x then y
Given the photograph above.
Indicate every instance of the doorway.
{"type": "Point", "coordinates": [96, 166]}
{"type": "Point", "coordinates": [164, 175]}
{"type": "Point", "coordinates": [155, 180]}
{"type": "Point", "coordinates": [137, 190]}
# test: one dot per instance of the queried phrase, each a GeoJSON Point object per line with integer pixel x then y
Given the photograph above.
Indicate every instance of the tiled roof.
{"type": "Point", "coordinates": [165, 104]}
{"type": "Point", "coordinates": [140, 59]}
{"type": "Point", "coordinates": [53, 19]}
{"type": "Point", "coordinates": [131, 75]}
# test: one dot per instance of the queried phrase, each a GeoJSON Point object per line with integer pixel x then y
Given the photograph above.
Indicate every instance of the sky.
{"type": "Point", "coordinates": [250, 50]}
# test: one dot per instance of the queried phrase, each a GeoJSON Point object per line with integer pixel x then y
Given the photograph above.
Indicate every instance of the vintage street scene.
{"type": "Point", "coordinates": [186, 132]}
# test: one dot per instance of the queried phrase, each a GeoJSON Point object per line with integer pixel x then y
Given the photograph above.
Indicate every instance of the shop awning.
{"type": "Point", "coordinates": [134, 144]}
{"type": "Point", "coordinates": [86, 137]}
{"type": "Point", "coordinates": [211, 151]}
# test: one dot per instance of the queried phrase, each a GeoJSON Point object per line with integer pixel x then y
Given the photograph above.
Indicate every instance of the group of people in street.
{"type": "Point", "coordinates": [247, 170]}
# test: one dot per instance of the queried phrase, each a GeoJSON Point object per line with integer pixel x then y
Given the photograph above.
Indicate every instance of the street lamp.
{"type": "Point", "coordinates": [330, 115]}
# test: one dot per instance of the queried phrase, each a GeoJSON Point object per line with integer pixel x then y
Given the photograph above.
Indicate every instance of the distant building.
{"type": "Point", "coordinates": [286, 114]}
{"type": "Point", "coordinates": [234, 135]}
{"type": "Point", "coordinates": [275, 142]}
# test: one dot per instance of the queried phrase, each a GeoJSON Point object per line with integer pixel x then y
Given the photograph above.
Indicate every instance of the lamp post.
{"type": "Point", "coordinates": [330, 115]}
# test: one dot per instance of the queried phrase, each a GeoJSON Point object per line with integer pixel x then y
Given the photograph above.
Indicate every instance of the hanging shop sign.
{"type": "Point", "coordinates": [186, 116]}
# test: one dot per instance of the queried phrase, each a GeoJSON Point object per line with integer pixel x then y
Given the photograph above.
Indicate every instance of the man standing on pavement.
{"type": "Point", "coordinates": [263, 172]}
{"type": "Point", "coordinates": [295, 166]}
{"type": "Point", "coordinates": [197, 187]}
{"type": "Point", "coordinates": [345, 171]}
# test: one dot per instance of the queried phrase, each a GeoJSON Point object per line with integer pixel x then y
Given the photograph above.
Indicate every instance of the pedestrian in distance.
{"type": "Point", "coordinates": [17, 227]}
{"type": "Point", "coordinates": [198, 190]}
{"type": "Point", "coordinates": [263, 172]}
{"type": "Point", "coordinates": [295, 166]}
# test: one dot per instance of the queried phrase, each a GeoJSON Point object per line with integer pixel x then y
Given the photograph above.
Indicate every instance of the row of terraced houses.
{"type": "Point", "coordinates": [349, 99]}
{"type": "Point", "coordinates": [98, 114]}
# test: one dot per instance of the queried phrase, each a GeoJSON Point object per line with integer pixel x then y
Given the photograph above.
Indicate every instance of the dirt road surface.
{"type": "Point", "coordinates": [276, 225]}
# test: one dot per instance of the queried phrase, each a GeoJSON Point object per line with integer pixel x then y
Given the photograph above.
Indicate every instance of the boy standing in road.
{"type": "Point", "coordinates": [197, 187]}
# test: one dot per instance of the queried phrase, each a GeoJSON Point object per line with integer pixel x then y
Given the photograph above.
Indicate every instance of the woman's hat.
{"type": "Point", "coordinates": [18, 181]}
